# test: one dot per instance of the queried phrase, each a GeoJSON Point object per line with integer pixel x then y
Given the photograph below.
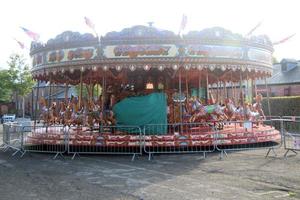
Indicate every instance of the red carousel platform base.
{"type": "Point", "coordinates": [230, 136]}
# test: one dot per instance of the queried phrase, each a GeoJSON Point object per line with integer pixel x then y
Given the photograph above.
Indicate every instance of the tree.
{"type": "Point", "coordinates": [5, 89]}
{"type": "Point", "coordinates": [274, 60]}
{"type": "Point", "coordinates": [19, 76]}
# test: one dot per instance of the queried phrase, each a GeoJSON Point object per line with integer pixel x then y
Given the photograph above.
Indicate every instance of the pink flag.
{"type": "Point", "coordinates": [252, 30]}
{"type": "Point", "coordinates": [183, 23]}
{"type": "Point", "coordinates": [31, 34]}
{"type": "Point", "coordinates": [89, 23]}
{"type": "Point", "coordinates": [284, 40]}
{"type": "Point", "coordinates": [21, 44]}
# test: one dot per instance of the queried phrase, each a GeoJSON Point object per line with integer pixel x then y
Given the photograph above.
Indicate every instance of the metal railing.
{"type": "Point", "coordinates": [291, 134]}
{"type": "Point", "coordinates": [155, 138]}
{"type": "Point", "coordinates": [179, 138]}
{"type": "Point", "coordinates": [105, 140]}
{"type": "Point", "coordinates": [247, 135]}
{"type": "Point", "coordinates": [12, 137]}
{"type": "Point", "coordinates": [41, 139]}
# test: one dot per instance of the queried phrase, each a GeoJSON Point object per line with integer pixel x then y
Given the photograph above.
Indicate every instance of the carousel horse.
{"type": "Point", "coordinates": [203, 113]}
{"type": "Point", "coordinates": [45, 114]}
{"type": "Point", "coordinates": [233, 112]}
{"type": "Point", "coordinates": [62, 111]}
{"type": "Point", "coordinates": [258, 106]}
{"type": "Point", "coordinates": [53, 114]}
{"type": "Point", "coordinates": [251, 114]}
{"type": "Point", "coordinates": [68, 115]}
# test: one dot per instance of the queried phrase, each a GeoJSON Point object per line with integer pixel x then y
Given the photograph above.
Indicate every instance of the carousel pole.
{"type": "Point", "coordinates": [36, 100]}
{"type": "Point", "coordinates": [93, 86]}
{"type": "Point", "coordinates": [199, 84]}
{"type": "Point", "coordinates": [186, 86]}
{"type": "Point", "coordinates": [207, 88]}
{"type": "Point", "coordinates": [49, 101]}
{"type": "Point", "coordinates": [241, 90]}
{"type": "Point", "coordinates": [80, 96]}
{"type": "Point", "coordinates": [66, 92]}
{"type": "Point", "coordinates": [231, 82]}
{"type": "Point", "coordinates": [50, 91]}
{"type": "Point", "coordinates": [268, 97]}
{"type": "Point", "coordinates": [217, 89]}
{"type": "Point", "coordinates": [225, 91]}
{"type": "Point", "coordinates": [180, 95]}
{"type": "Point", "coordinates": [255, 87]}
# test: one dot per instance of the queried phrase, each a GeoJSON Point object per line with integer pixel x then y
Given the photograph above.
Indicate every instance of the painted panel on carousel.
{"type": "Point", "coordinates": [214, 51]}
{"type": "Point", "coordinates": [140, 51]}
{"type": "Point", "coordinates": [37, 59]}
{"type": "Point", "coordinates": [82, 53]}
{"type": "Point", "coordinates": [260, 55]}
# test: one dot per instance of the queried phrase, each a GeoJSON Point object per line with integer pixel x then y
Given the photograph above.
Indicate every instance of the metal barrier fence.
{"type": "Point", "coordinates": [155, 138]}
{"type": "Point", "coordinates": [41, 139]}
{"type": "Point", "coordinates": [179, 138]}
{"type": "Point", "coordinates": [249, 136]}
{"type": "Point", "coordinates": [12, 137]}
{"type": "Point", "coordinates": [291, 134]}
{"type": "Point", "coordinates": [105, 140]}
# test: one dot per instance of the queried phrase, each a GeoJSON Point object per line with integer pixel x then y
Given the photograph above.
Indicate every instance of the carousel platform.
{"type": "Point", "coordinates": [86, 140]}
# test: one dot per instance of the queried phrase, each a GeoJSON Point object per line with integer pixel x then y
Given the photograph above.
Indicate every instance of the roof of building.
{"type": "Point", "coordinates": [61, 94]}
{"type": "Point", "coordinates": [285, 72]}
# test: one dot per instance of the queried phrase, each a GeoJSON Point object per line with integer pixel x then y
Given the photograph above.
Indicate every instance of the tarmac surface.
{"type": "Point", "coordinates": [241, 175]}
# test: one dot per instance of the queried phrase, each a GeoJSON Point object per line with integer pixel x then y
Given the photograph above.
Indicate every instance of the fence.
{"type": "Point", "coordinates": [155, 139]}
{"type": "Point", "coordinates": [291, 133]}
{"type": "Point", "coordinates": [41, 139]}
{"type": "Point", "coordinates": [12, 137]}
{"type": "Point", "coordinates": [105, 140]}
{"type": "Point", "coordinates": [179, 138]}
{"type": "Point", "coordinates": [249, 136]}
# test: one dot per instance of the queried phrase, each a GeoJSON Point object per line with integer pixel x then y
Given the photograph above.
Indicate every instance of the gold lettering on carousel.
{"type": "Point", "coordinates": [135, 51]}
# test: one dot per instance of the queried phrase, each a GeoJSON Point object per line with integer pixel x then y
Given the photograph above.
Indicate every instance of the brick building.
{"type": "Point", "coordinates": [285, 80]}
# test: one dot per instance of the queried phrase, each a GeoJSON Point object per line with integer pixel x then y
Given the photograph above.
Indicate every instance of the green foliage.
{"type": "Point", "coordinates": [282, 106]}
{"type": "Point", "coordinates": [5, 89]}
{"type": "Point", "coordinates": [16, 79]}
{"type": "Point", "coordinates": [19, 75]}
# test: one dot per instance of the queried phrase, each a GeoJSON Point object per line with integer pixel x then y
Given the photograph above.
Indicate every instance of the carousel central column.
{"type": "Point", "coordinates": [180, 95]}
{"type": "Point", "coordinates": [36, 101]}
{"type": "Point", "coordinates": [207, 88]}
{"type": "Point", "coordinates": [80, 96]}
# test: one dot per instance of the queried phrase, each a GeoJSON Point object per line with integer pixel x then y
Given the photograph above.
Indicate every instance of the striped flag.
{"type": "Point", "coordinates": [284, 40]}
{"type": "Point", "coordinates": [31, 34]}
{"type": "Point", "coordinates": [90, 24]}
{"type": "Point", "coordinates": [21, 44]}
{"type": "Point", "coordinates": [252, 30]}
{"type": "Point", "coordinates": [183, 23]}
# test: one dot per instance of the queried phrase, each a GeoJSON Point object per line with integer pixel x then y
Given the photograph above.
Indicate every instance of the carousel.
{"type": "Point", "coordinates": [143, 77]}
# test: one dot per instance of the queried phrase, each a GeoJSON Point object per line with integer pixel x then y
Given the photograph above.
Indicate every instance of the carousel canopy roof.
{"type": "Point", "coordinates": [147, 47]}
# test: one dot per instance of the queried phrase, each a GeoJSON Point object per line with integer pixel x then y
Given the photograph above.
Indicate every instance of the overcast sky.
{"type": "Point", "coordinates": [51, 17]}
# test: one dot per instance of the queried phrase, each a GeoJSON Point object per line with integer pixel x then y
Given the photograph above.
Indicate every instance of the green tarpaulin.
{"type": "Point", "coordinates": [139, 111]}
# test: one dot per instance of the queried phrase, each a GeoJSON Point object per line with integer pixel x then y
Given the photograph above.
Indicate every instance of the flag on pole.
{"type": "Point", "coordinates": [183, 23]}
{"type": "Point", "coordinates": [21, 44]}
{"type": "Point", "coordinates": [31, 34]}
{"type": "Point", "coordinates": [284, 40]}
{"type": "Point", "coordinates": [252, 30]}
{"type": "Point", "coordinates": [89, 23]}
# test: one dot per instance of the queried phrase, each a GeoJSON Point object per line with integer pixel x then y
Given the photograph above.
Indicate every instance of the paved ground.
{"type": "Point", "coordinates": [242, 175]}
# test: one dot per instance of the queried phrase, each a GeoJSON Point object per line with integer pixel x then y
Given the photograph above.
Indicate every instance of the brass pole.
{"type": "Point", "coordinates": [80, 96]}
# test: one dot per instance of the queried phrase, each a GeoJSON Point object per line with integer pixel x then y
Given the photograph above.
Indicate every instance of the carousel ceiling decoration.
{"type": "Point", "coordinates": [146, 48]}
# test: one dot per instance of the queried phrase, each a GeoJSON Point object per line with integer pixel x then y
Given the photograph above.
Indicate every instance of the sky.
{"type": "Point", "coordinates": [280, 18]}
